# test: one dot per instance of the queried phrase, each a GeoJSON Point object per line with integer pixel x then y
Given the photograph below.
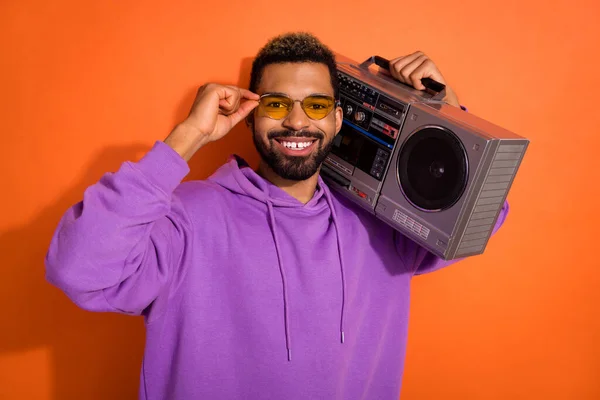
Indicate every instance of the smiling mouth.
{"type": "Point", "coordinates": [296, 144]}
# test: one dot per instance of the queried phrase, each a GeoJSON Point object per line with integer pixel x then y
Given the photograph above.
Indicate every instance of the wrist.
{"type": "Point", "coordinates": [186, 140]}
{"type": "Point", "coordinates": [451, 97]}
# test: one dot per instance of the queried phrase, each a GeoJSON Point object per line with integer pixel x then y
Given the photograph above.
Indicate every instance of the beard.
{"type": "Point", "coordinates": [294, 168]}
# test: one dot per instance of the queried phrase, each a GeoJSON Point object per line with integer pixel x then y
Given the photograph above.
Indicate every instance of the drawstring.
{"type": "Point", "coordinates": [286, 313]}
{"type": "Point", "coordinates": [339, 244]}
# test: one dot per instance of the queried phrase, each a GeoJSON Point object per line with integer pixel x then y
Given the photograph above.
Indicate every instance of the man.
{"type": "Point", "coordinates": [253, 285]}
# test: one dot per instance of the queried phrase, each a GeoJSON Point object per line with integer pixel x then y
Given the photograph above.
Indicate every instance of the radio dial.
{"type": "Point", "coordinates": [349, 109]}
{"type": "Point", "coordinates": [359, 116]}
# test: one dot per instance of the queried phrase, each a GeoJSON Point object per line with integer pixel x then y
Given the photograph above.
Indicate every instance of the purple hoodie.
{"type": "Point", "coordinates": [246, 292]}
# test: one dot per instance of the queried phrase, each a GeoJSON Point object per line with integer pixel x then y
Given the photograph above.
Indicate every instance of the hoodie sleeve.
{"type": "Point", "coordinates": [421, 261]}
{"type": "Point", "coordinates": [117, 249]}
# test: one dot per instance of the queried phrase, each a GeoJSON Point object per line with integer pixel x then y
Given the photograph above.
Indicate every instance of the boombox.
{"type": "Point", "coordinates": [435, 173]}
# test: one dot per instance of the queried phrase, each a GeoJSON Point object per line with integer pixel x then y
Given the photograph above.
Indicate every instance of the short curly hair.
{"type": "Point", "coordinates": [297, 47]}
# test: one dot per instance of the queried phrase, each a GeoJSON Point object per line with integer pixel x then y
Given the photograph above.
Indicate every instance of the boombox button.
{"type": "Point", "coordinates": [360, 193]}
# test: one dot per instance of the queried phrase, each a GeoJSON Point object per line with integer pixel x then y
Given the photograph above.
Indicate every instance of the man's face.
{"type": "Point", "coordinates": [295, 146]}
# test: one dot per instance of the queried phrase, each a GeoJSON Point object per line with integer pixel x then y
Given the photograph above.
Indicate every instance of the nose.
{"type": "Point", "coordinates": [297, 119]}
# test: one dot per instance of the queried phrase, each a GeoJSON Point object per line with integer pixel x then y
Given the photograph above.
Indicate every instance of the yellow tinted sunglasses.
{"type": "Point", "coordinates": [279, 105]}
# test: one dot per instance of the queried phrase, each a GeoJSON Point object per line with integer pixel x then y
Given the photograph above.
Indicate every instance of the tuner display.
{"type": "Point", "coordinates": [375, 115]}
{"type": "Point", "coordinates": [369, 131]}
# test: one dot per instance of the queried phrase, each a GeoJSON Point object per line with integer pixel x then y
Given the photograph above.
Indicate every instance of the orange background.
{"type": "Point", "coordinates": [87, 85]}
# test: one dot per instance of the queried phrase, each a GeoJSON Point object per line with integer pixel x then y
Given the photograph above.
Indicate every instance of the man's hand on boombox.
{"type": "Point", "coordinates": [410, 69]}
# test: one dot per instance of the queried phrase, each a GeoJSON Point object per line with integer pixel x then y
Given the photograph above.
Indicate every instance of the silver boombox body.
{"type": "Point", "coordinates": [436, 173]}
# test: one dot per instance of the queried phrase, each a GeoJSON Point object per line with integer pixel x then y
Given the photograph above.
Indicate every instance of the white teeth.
{"type": "Point", "coordinates": [296, 145]}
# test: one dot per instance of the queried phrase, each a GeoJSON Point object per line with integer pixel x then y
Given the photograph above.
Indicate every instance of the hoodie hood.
{"type": "Point", "coordinates": [239, 178]}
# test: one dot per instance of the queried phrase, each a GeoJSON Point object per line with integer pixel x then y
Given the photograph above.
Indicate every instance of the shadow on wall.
{"type": "Point", "coordinates": [93, 355]}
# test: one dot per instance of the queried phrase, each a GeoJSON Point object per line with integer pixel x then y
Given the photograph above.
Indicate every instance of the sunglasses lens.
{"type": "Point", "coordinates": [276, 107]}
{"type": "Point", "coordinates": [318, 107]}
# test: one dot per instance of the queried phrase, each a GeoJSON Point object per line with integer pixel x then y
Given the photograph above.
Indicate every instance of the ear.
{"type": "Point", "coordinates": [249, 120]}
{"type": "Point", "coordinates": [339, 116]}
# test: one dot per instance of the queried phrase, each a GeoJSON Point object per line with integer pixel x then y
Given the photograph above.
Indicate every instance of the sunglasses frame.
{"type": "Point", "coordinates": [336, 103]}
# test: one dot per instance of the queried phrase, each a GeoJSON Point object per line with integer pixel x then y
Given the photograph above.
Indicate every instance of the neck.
{"type": "Point", "coordinates": [302, 191]}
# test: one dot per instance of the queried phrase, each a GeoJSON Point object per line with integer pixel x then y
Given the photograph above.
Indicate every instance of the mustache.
{"type": "Point", "coordinates": [296, 134]}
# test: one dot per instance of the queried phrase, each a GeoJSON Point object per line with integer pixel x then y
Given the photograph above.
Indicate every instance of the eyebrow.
{"type": "Point", "coordinates": [287, 95]}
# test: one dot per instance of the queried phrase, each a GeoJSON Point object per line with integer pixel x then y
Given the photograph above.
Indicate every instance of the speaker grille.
{"type": "Point", "coordinates": [490, 201]}
{"type": "Point", "coordinates": [410, 224]}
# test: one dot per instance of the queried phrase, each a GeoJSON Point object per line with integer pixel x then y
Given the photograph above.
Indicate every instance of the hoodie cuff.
{"type": "Point", "coordinates": [163, 167]}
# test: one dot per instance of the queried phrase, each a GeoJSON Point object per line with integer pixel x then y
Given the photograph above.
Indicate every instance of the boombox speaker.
{"type": "Point", "coordinates": [437, 174]}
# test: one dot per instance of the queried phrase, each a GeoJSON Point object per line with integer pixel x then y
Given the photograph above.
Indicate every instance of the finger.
{"type": "Point", "coordinates": [393, 64]}
{"type": "Point", "coordinates": [230, 100]}
{"type": "Point", "coordinates": [409, 69]}
{"type": "Point", "coordinates": [229, 94]}
{"type": "Point", "coordinates": [397, 64]}
{"type": "Point", "coordinates": [228, 106]}
{"type": "Point", "coordinates": [427, 69]}
{"type": "Point", "coordinates": [246, 94]}
{"type": "Point", "coordinates": [242, 112]}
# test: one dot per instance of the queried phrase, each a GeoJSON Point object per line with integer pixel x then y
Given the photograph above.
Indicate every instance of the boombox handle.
{"type": "Point", "coordinates": [435, 88]}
